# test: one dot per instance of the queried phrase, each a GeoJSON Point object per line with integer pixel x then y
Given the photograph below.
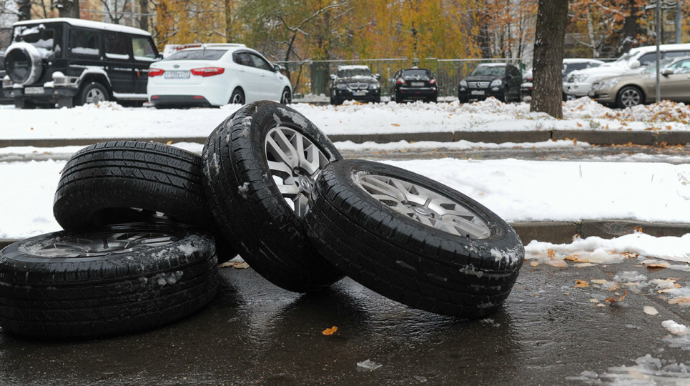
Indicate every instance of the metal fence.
{"type": "Point", "coordinates": [313, 77]}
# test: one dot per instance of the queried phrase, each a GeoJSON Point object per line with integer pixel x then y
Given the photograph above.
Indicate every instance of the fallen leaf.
{"type": "Point", "coordinates": [558, 263]}
{"type": "Point", "coordinates": [330, 331]}
{"type": "Point", "coordinates": [593, 301]}
{"type": "Point", "coordinates": [551, 253]}
{"type": "Point", "coordinates": [579, 124]}
{"type": "Point", "coordinates": [679, 301]}
{"type": "Point", "coordinates": [533, 263]}
{"type": "Point", "coordinates": [657, 266]}
{"type": "Point", "coordinates": [169, 143]}
{"type": "Point", "coordinates": [581, 284]}
{"type": "Point", "coordinates": [614, 300]}
{"type": "Point", "coordinates": [395, 124]}
{"type": "Point", "coordinates": [599, 281]}
{"type": "Point", "coordinates": [234, 264]}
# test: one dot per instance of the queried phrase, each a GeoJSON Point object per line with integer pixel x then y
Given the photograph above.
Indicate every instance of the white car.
{"type": "Point", "coordinates": [216, 75]}
{"type": "Point", "coordinates": [579, 83]}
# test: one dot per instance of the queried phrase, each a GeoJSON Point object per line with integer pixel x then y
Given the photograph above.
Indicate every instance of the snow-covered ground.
{"type": "Point", "coordinates": [515, 190]}
{"type": "Point", "coordinates": [113, 121]}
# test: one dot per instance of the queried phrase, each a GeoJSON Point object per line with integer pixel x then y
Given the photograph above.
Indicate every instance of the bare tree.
{"type": "Point", "coordinates": [552, 17]}
{"type": "Point", "coordinates": [116, 9]}
{"type": "Point", "coordinates": [67, 8]}
{"type": "Point", "coordinates": [144, 14]}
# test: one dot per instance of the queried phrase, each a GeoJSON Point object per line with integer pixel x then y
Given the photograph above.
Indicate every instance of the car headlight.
{"type": "Point", "coordinates": [373, 86]}
{"type": "Point", "coordinates": [463, 83]}
{"type": "Point", "coordinates": [496, 83]}
{"type": "Point", "coordinates": [341, 86]}
{"type": "Point", "coordinates": [580, 77]}
{"type": "Point", "coordinates": [605, 85]}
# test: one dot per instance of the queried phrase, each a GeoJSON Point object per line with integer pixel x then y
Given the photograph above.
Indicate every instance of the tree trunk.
{"type": "Point", "coordinates": [68, 8]}
{"type": "Point", "coordinates": [631, 28]}
{"type": "Point", "coordinates": [24, 9]}
{"type": "Point", "coordinates": [144, 10]}
{"type": "Point", "coordinates": [549, 45]}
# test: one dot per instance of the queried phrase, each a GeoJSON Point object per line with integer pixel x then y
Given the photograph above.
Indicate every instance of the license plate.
{"type": "Point", "coordinates": [417, 84]}
{"type": "Point", "coordinates": [34, 90]}
{"type": "Point", "coordinates": [176, 75]}
{"type": "Point", "coordinates": [359, 93]}
{"type": "Point", "coordinates": [478, 92]}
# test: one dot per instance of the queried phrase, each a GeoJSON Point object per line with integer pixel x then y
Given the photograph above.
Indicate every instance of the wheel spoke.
{"type": "Point", "coordinates": [102, 243]}
{"type": "Point", "coordinates": [423, 205]}
{"type": "Point", "coordinates": [280, 153]}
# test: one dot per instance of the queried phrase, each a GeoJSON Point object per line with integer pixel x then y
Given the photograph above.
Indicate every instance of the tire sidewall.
{"type": "Point", "coordinates": [503, 238]}
{"type": "Point", "coordinates": [92, 85]}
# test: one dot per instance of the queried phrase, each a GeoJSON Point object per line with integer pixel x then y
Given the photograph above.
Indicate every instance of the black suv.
{"type": "Point", "coordinates": [499, 80]}
{"type": "Point", "coordinates": [354, 83]}
{"type": "Point", "coordinates": [73, 62]}
{"type": "Point", "coordinates": [3, 100]}
{"type": "Point", "coordinates": [414, 83]}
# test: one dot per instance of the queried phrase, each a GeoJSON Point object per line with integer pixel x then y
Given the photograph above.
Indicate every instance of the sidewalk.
{"type": "Point", "coordinates": [647, 138]}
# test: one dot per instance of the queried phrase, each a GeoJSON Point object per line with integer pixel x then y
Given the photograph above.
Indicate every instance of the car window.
{"type": "Point", "coordinates": [682, 67]}
{"type": "Point", "coordinates": [197, 55]}
{"type": "Point", "coordinates": [39, 37]}
{"type": "Point", "coordinates": [83, 42]}
{"type": "Point", "coordinates": [261, 63]}
{"type": "Point", "coordinates": [143, 49]}
{"type": "Point", "coordinates": [489, 71]}
{"type": "Point", "coordinates": [243, 58]}
{"type": "Point", "coordinates": [675, 54]}
{"type": "Point", "coordinates": [647, 59]}
{"type": "Point", "coordinates": [115, 45]}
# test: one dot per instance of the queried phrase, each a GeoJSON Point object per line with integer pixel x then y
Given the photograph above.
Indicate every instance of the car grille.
{"type": "Point", "coordinates": [478, 84]}
{"type": "Point", "coordinates": [358, 86]}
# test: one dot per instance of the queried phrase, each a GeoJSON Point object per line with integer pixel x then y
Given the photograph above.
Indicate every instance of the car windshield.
{"type": "Point", "coordinates": [489, 71]}
{"type": "Point", "coordinates": [417, 73]}
{"type": "Point", "coordinates": [352, 72]}
{"type": "Point", "coordinates": [197, 55]}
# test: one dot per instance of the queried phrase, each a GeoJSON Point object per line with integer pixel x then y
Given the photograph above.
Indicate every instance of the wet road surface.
{"type": "Point", "coordinates": [549, 332]}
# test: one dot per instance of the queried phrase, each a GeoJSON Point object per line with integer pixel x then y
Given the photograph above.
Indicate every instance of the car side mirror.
{"type": "Point", "coordinates": [377, 76]}
{"type": "Point", "coordinates": [667, 72]}
{"type": "Point", "coordinates": [332, 76]}
{"type": "Point", "coordinates": [159, 56]}
{"type": "Point", "coordinates": [635, 64]}
{"type": "Point", "coordinates": [276, 68]}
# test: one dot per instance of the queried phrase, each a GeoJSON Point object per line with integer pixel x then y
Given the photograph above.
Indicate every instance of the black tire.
{"type": "Point", "coordinates": [433, 99]}
{"type": "Point", "coordinates": [93, 92]}
{"type": "Point", "coordinates": [462, 99]}
{"type": "Point", "coordinates": [629, 96]}
{"type": "Point", "coordinates": [58, 286]}
{"type": "Point", "coordinates": [102, 184]}
{"type": "Point", "coordinates": [286, 96]}
{"type": "Point", "coordinates": [248, 205]}
{"type": "Point", "coordinates": [398, 98]}
{"type": "Point", "coordinates": [403, 259]}
{"type": "Point", "coordinates": [237, 96]}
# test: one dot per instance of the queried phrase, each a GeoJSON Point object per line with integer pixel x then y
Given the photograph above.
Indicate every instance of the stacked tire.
{"type": "Point", "coordinates": [146, 224]}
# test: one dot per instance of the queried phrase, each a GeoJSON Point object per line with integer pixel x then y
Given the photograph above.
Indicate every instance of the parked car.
{"type": "Point", "coordinates": [632, 90]}
{"type": "Point", "coordinates": [72, 62]}
{"type": "Point", "coordinates": [3, 99]}
{"type": "Point", "coordinates": [579, 82]}
{"type": "Point", "coordinates": [354, 82]}
{"type": "Point", "coordinates": [215, 75]}
{"type": "Point", "coordinates": [499, 80]}
{"type": "Point", "coordinates": [414, 84]}
{"type": "Point", "coordinates": [569, 65]}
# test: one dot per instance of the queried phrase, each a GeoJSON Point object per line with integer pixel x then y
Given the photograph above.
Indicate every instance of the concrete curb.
{"type": "Point", "coordinates": [562, 232]}
{"type": "Point", "coordinates": [600, 137]}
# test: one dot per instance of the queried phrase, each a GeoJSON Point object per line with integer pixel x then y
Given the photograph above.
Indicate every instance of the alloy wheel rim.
{"type": "Point", "coordinates": [295, 163]}
{"type": "Point", "coordinates": [101, 244]}
{"type": "Point", "coordinates": [286, 97]}
{"type": "Point", "coordinates": [237, 99]}
{"type": "Point", "coordinates": [424, 205]}
{"type": "Point", "coordinates": [630, 98]}
{"type": "Point", "coordinates": [94, 96]}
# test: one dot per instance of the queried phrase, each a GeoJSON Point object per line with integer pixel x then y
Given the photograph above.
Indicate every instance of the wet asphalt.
{"type": "Point", "coordinates": [549, 332]}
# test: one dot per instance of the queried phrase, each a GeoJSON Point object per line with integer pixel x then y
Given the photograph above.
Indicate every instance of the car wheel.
{"type": "Point", "coordinates": [115, 280]}
{"type": "Point", "coordinates": [412, 239]}
{"type": "Point", "coordinates": [398, 98]}
{"type": "Point", "coordinates": [125, 181]}
{"type": "Point", "coordinates": [629, 96]}
{"type": "Point", "coordinates": [237, 97]}
{"type": "Point", "coordinates": [93, 92]}
{"type": "Point", "coordinates": [286, 96]}
{"type": "Point", "coordinates": [259, 167]}
{"type": "Point", "coordinates": [505, 98]}
{"type": "Point", "coordinates": [462, 98]}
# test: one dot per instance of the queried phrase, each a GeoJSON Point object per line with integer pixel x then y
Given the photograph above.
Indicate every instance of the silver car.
{"type": "Point", "coordinates": [632, 90]}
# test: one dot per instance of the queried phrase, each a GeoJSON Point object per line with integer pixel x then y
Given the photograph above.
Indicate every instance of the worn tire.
{"type": "Point", "coordinates": [246, 201]}
{"type": "Point", "coordinates": [402, 258]}
{"type": "Point", "coordinates": [147, 276]}
{"type": "Point", "coordinates": [93, 92]}
{"type": "Point", "coordinates": [102, 184]}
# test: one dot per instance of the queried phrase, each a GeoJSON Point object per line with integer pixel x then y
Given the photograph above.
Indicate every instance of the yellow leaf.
{"type": "Point", "coordinates": [579, 124]}
{"type": "Point", "coordinates": [169, 143]}
{"type": "Point", "coordinates": [614, 300]}
{"type": "Point", "coordinates": [330, 331]}
{"type": "Point", "coordinates": [395, 124]}
{"type": "Point", "coordinates": [581, 284]}
{"type": "Point", "coordinates": [551, 253]}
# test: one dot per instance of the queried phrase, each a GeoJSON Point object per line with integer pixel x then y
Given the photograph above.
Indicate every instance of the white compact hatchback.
{"type": "Point", "coordinates": [216, 75]}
